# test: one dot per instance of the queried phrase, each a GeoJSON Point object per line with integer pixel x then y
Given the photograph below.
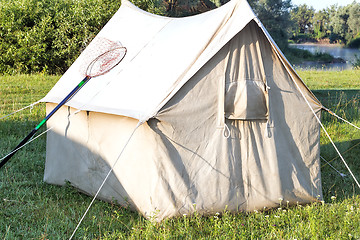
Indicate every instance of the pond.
{"type": "Point", "coordinates": [337, 51]}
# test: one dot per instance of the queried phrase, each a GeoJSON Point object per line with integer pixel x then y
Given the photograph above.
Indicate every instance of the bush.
{"type": "Point", "coordinates": [303, 37]}
{"type": "Point", "coordinates": [48, 35]}
{"type": "Point", "coordinates": [356, 63]}
{"type": "Point", "coordinates": [296, 56]}
{"type": "Point", "coordinates": [323, 57]}
{"type": "Point", "coordinates": [355, 43]}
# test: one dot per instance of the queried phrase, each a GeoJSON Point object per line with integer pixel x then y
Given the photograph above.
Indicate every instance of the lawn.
{"type": "Point", "coordinates": [32, 209]}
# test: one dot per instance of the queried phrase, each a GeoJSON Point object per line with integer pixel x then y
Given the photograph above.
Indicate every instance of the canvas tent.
{"type": "Point", "coordinates": [204, 112]}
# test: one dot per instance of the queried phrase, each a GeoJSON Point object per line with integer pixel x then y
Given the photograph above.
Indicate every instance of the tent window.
{"type": "Point", "coordinates": [246, 100]}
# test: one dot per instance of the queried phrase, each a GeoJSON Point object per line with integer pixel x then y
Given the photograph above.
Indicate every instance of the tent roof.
{"type": "Point", "coordinates": [162, 55]}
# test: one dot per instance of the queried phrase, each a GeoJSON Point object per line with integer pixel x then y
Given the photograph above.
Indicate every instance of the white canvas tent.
{"type": "Point", "coordinates": [219, 118]}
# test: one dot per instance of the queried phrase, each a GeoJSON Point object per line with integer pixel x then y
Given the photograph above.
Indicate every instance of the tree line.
{"type": "Point", "coordinates": [48, 35]}
{"type": "Point", "coordinates": [339, 24]}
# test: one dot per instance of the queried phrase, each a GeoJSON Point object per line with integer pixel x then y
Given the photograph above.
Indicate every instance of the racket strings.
{"type": "Point", "coordinates": [105, 62]}
{"type": "Point", "coordinates": [101, 56]}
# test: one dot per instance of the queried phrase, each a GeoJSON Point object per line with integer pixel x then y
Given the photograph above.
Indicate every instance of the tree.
{"type": "Point", "coordinates": [182, 8]}
{"type": "Point", "coordinates": [345, 23]}
{"type": "Point", "coordinates": [152, 6]}
{"type": "Point", "coordinates": [302, 15]}
{"type": "Point", "coordinates": [320, 24]}
{"type": "Point", "coordinates": [354, 20]}
{"type": "Point", "coordinates": [338, 23]}
{"type": "Point", "coordinates": [275, 16]}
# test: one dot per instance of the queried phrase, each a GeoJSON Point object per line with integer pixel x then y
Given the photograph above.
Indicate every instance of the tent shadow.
{"type": "Point", "coordinates": [86, 174]}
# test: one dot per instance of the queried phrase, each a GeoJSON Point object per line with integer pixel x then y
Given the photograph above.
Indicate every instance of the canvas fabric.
{"type": "Point", "coordinates": [238, 135]}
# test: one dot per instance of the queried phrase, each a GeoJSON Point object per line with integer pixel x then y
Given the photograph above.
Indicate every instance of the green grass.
{"type": "Point", "coordinates": [347, 79]}
{"type": "Point", "coordinates": [32, 209]}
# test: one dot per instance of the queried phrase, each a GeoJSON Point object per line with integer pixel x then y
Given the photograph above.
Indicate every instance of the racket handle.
{"type": "Point", "coordinates": [22, 143]}
{"type": "Point", "coordinates": [32, 133]}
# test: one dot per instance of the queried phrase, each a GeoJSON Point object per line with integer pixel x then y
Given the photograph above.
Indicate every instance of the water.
{"type": "Point", "coordinates": [347, 54]}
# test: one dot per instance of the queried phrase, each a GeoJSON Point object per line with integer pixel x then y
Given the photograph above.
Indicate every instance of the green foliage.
{"type": "Point", "coordinates": [47, 36]}
{"type": "Point", "coordinates": [339, 24]}
{"type": "Point", "coordinates": [303, 37]}
{"type": "Point", "coordinates": [295, 56]}
{"type": "Point", "coordinates": [32, 209]}
{"type": "Point", "coordinates": [302, 16]}
{"type": "Point", "coordinates": [346, 22]}
{"type": "Point", "coordinates": [320, 24]}
{"type": "Point", "coordinates": [323, 57]}
{"type": "Point", "coordinates": [183, 8]}
{"type": "Point", "coordinates": [151, 6]}
{"type": "Point", "coordinates": [354, 21]}
{"type": "Point", "coordinates": [355, 43]}
{"type": "Point", "coordinates": [356, 63]}
{"type": "Point", "coordinates": [274, 14]}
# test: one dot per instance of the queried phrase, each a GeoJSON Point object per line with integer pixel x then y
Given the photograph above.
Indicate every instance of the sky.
{"type": "Point", "coordinates": [321, 4]}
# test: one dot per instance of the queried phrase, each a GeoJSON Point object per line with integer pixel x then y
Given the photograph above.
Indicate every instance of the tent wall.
{"type": "Point", "coordinates": [271, 156]}
{"type": "Point", "coordinates": [206, 147]}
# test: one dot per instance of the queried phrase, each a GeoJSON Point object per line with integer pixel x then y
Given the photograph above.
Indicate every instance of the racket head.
{"type": "Point", "coordinates": [105, 61]}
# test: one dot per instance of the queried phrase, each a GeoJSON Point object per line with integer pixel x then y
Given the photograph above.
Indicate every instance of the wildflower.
{"type": "Point", "coordinates": [217, 213]}
{"type": "Point", "coordinates": [277, 216]}
{"type": "Point", "coordinates": [266, 216]}
{"type": "Point", "coordinates": [256, 211]}
{"type": "Point", "coordinates": [333, 198]}
{"type": "Point", "coordinates": [184, 214]}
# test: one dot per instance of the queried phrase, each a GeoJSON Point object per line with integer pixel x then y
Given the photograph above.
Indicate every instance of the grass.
{"type": "Point", "coordinates": [32, 209]}
{"type": "Point", "coordinates": [315, 80]}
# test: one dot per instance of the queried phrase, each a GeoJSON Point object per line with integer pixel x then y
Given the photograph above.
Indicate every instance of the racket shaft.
{"type": "Point", "coordinates": [72, 93]}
